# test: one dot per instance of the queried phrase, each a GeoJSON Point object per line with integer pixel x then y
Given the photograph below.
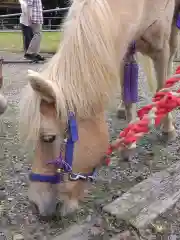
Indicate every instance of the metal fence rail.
{"type": "Point", "coordinates": [44, 11]}
{"type": "Point", "coordinates": [10, 22]}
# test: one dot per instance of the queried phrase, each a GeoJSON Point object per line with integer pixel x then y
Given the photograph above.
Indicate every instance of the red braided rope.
{"type": "Point", "coordinates": [163, 102]}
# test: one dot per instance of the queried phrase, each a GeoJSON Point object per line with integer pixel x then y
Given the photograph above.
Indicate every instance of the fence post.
{"type": "Point", "coordinates": [49, 24]}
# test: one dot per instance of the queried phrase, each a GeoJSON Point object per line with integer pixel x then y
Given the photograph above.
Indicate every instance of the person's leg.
{"type": "Point", "coordinates": [27, 36]}
{"type": "Point", "coordinates": [29, 32]}
{"type": "Point", "coordinates": [34, 46]}
{"type": "Point", "coordinates": [25, 47]}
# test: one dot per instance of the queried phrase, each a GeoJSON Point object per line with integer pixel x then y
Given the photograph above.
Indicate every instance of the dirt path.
{"type": "Point", "coordinates": [16, 217]}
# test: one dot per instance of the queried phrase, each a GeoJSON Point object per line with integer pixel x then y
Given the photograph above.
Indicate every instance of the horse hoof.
{"type": "Point", "coordinates": [121, 114]}
{"type": "Point", "coordinates": [3, 104]}
{"type": "Point", "coordinates": [169, 136]}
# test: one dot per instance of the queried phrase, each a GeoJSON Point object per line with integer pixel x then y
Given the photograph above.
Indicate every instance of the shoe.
{"type": "Point", "coordinates": [39, 57]}
{"type": "Point", "coordinates": [31, 57]}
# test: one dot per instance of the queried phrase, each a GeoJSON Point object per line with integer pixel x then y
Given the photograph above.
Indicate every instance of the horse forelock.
{"type": "Point", "coordinates": [29, 119]}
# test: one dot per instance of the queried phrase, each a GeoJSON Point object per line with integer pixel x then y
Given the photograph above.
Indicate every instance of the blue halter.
{"type": "Point", "coordinates": [65, 165]}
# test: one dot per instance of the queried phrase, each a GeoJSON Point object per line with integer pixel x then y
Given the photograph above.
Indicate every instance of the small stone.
{"type": "Point", "coordinates": [2, 236]}
{"type": "Point", "coordinates": [18, 237]}
{"type": "Point", "coordinates": [24, 184]}
{"type": "Point", "coordinates": [99, 203]}
{"type": "Point", "coordinates": [2, 209]}
{"type": "Point", "coordinates": [122, 236]}
{"type": "Point", "coordinates": [91, 210]}
{"type": "Point", "coordinates": [13, 222]}
{"type": "Point", "coordinates": [2, 195]}
{"type": "Point", "coordinates": [18, 167]}
{"type": "Point", "coordinates": [89, 217]}
{"type": "Point", "coordinates": [158, 228]}
{"type": "Point", "coordinates": [95, 231]}
{"type": "Point", "coordinates": [178, 205]}
{"type": "Point", "coordinates": [139, 179]}
{"type": "Point", "coordinates": [2, 188]}
{"type": "Point", "coordinates": [10, 199]}
{"type": "Point", "coordinates": [117, 195]}
{"type": "Point", "coordinates": [98, 222]}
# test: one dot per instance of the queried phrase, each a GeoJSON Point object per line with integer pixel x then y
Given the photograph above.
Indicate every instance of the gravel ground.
{"type": "Point", "coordinates": [17, 220]}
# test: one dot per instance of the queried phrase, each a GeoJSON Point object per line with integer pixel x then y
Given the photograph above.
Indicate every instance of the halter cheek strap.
{"type": "Point", "coordinates": [73, 137]}
{"type": "Point", "coordinates": [65, 165]}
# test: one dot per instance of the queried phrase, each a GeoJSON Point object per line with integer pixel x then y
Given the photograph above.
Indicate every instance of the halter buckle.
{"type": "Point", "coordinates": [60, 170]}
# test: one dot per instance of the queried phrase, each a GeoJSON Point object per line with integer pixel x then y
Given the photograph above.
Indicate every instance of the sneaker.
{"type": "Point", "coordinates": [39, 57]}
{"type": "Point", "coordinates": [31, 57]}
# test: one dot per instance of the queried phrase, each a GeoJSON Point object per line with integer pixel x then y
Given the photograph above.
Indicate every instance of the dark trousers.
{"type": "Point", "coordinates": [27, 36]}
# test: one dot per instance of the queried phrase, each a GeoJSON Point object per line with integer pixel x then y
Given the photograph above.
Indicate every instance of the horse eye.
{"type": "Point", "coordinates": [48, 138]}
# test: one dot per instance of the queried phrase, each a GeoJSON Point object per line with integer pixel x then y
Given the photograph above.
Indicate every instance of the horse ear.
{"type": "Point", "coordinates": [42, 86]}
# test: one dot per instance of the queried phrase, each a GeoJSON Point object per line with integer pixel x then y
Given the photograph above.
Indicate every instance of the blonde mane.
{"type": "Point", "coordinates": [85, 68]}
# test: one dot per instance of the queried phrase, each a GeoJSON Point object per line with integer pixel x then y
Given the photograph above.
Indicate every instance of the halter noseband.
{"type": "Point", "coordinates": [64, 166]}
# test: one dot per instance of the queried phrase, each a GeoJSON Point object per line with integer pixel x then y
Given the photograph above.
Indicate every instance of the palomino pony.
{"type": "Point", "coordinates": [63, 106]}
{"type": "Point", "coordinates": [158, 42]}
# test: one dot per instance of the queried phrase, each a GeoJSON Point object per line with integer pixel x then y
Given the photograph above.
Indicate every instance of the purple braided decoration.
{"type": "Point", "coordinates": [178, 21]}
{"type": "Point", "coordinates": [60, 163]}
{"type": "Point", "coordinates": [130, 91]}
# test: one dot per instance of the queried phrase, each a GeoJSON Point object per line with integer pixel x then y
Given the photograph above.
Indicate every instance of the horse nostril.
{"type": "Point", "coordinates": [34, 207]}
{"type": "Point", "coordinates": [59, 206]}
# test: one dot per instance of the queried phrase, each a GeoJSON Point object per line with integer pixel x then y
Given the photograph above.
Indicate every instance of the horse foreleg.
{"type": "Point", "coordinates": [126, 111]}
{"type": "Point", "coordinates": [130, 112]}
{"type": "Point", "coordinates": [121, 112]}
{"type": "Point", "coordinates": [161, 65]}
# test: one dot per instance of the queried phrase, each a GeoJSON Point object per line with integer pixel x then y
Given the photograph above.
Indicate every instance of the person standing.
{"type": "Point", "coordinates": [26, 29]}
{"type": "Point", "coordinates": [35, 18]}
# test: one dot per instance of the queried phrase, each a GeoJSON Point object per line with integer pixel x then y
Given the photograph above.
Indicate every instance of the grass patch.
{"type": "Point", "coordinates": [12, 41]}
